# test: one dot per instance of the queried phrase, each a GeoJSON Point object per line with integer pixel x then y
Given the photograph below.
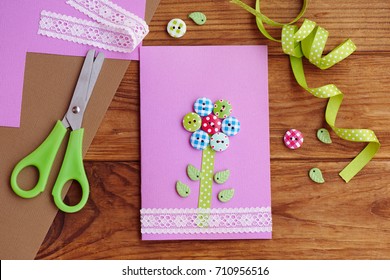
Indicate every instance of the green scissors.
{"type": "Point", "coordinates": [72, 166]}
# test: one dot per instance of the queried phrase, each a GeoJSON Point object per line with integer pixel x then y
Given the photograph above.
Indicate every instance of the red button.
{"type": "Point", "coordinates": [211, 124]}
{"type": "Point", "coordinates": [293, 139]}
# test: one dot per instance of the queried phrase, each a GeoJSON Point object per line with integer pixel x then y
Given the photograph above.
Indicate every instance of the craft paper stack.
{"type": "Point", "coordinates": [49, 82]}
{"type": "Point", "coordinates": [19, 24]}
{"type": "Point", "coordinates": [172, 79]}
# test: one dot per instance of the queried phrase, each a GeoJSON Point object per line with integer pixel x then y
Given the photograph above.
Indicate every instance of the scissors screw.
{"type": "Point", "coordinates": [76, 109]}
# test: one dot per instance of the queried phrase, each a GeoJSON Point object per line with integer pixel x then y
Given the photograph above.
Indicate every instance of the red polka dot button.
{"type": "Point", "coordinates": [211, 124]}
{"type": "Point", "coordinates": [293, 139]}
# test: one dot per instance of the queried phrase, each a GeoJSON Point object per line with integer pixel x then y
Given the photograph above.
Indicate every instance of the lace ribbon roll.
{"type": "Point", "coordinates": [113, 28]}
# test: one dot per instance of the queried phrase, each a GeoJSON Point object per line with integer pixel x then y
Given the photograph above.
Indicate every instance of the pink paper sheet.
{"type": "Point", "coordinates": [172, 78]}
{"type": "Point", "coordinates": [19, 21]}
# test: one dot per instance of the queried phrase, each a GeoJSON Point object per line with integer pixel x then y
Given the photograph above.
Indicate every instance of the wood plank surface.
{"type": "Point", "coordinates": [309, 221]}
{"type": "Point", "coordinates": [331, 221]}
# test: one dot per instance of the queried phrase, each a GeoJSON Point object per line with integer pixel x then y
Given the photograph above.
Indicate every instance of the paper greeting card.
{"type": "Point", "coordinates": [205, 159]}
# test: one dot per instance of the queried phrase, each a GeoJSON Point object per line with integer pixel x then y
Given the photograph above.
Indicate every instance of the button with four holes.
{"type": "Point", "coordinates": [293, 139]}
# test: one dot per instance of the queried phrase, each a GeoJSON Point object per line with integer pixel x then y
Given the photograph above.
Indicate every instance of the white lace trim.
{"type": "Point", "coordinates": [110, 14]}
{"type": "Point", "coordinates": [200, 220]}
{"type": "Point", "coordinates": [115, 29]}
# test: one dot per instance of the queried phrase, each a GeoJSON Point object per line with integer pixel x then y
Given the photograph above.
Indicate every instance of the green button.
{"type": "Point", "coordinates": [192, 122]}
{"type": "Point", "coordinates": [222, 108]}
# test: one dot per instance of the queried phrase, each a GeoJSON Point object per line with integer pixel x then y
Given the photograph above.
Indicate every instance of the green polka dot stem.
{"type": "Point", "coordinates": [206, 178]}
{"type": "Point", "coordinates": [309, 41]}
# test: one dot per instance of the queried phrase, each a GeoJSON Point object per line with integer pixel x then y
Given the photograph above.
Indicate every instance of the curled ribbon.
{"type": "Point", "coordinates": [309, 41]}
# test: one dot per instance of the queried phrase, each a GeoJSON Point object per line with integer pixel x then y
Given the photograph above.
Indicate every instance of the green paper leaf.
{"type": "Point", "coordinates": [222, 176]}
{"type": "Point", "coordinates": [193, 173]}
{"type": "Point", "coordinates": [198, 17]}
{"type": "Point", "coordinates": [324, 136]}
{"type": "Point", "coordinates": [316, 175]}
{"type": "Point", "coordinates": [226, 195]}
{"type": "Point", "coordinates": [182, 189]}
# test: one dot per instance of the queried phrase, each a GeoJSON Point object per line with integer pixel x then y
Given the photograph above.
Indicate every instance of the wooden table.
{"type": "Point", "coordinates": [330, 221]}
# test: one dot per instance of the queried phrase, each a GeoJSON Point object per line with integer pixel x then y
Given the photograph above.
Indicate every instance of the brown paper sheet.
{"type": "Point", "coordinates": [49, 82]}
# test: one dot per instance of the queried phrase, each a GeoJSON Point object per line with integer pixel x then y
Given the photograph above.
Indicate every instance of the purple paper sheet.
{"type": "Point", "coordinates": [18, 32]}
{"type": "Point", "coordinates": [172, 78]}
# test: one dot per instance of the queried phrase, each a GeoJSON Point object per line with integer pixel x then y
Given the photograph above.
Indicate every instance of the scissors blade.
{"type": "Point", "coordinates": [83, 91]}
{"type": "Point", "coordinates": [97, 66]}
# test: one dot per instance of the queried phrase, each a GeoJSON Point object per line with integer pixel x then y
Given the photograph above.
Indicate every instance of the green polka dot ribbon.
{"type": "Point", "coordinates": [309, 41]}
{"type": "Point", "coordinates": [206, 178]}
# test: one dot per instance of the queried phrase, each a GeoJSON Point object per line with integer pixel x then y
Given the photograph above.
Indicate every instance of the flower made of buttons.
{"type": "Point", "coordinates": [211, 124]}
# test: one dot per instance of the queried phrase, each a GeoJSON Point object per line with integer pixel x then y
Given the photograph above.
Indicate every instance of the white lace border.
{"type": "Point", "coordinates": [205, 221]}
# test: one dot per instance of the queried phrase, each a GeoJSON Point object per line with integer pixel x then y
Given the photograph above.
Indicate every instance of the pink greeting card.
{"type": "Point", "coordinates": [205, 155]}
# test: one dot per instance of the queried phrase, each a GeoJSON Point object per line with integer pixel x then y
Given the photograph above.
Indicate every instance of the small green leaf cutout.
{"type": "Point", "coordinates": [198, 17]}
{"type": "Point", "coordinates": [182, 189]}
{"type": "Point", "coordinates": [193, 173]}
{"type": "Point", "coordinates": [222, 176]}
{"type": "Point", "coordinates": [225, 195]}
{"type": "Point", "coordinates": [324, 136]}
{"type": "Point", "coordinates": [316, 175]}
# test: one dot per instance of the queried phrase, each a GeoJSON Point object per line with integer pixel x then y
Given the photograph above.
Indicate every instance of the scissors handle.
{"type": "Point", "coordinates": [42, 158]}
{"type": "Point", "coordinates": [72, 169]}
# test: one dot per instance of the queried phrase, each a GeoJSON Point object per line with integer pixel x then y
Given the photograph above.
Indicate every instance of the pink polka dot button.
{"type": "Point", "coordinates": [211, 124]}
{"type": "Point", "coordinates": [293, 139]}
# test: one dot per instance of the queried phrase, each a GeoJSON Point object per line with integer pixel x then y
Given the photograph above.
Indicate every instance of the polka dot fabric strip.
{"type": "Point", "coordinates": [312, 46]}
{"type": "Point", "coordinates": [206, 178]}
{"type": "Point", "coordinates": [309, 41]}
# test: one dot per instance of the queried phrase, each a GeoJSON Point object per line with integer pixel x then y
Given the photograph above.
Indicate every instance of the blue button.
{"type": "Point", "coordinates": [231, 126]}
{"type": "Point", "coordinates": [219, 142]}
{"type": "Point", "coordinates": [203, 106]}
{"type": "Point", "coordinates": [199, 140]}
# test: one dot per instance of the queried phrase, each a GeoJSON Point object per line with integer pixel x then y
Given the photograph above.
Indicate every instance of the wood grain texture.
{"type": "Point", "coordinates": [332, 221]}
